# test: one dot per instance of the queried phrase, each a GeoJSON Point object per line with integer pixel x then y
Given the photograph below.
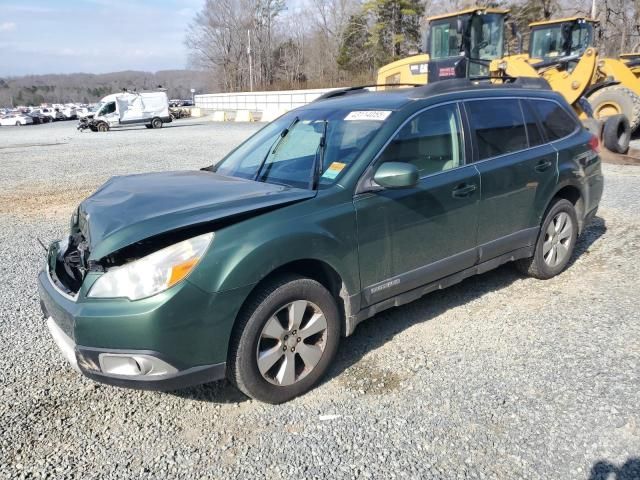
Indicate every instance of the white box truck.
{"type": "Point", "coordinates": [150, 109]}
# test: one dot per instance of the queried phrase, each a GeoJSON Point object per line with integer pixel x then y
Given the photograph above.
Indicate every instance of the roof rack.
{"type": "Point", "coordinates": [462, 84]}
{"type": "Point", "coordinates": [361, 89]}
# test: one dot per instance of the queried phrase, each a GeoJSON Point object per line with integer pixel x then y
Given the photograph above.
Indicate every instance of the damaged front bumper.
{"type": "Point", "coordinates": [173, 340]}
{"type": "Point", "coordinates": [133, 369]}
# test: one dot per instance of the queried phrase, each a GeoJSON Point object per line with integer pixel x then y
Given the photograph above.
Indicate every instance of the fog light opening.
{"type": "Point", "coordinates": [133, 365]}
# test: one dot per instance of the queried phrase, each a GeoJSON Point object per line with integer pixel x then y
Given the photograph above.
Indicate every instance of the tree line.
{"type": "Point", "coordinates": [283, 44]}
{"type": "Point", "coordinates": [89, 88]}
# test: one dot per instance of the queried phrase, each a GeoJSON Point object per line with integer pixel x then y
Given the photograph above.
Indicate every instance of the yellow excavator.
{"type": "Point", "coordinates": [470, 43]}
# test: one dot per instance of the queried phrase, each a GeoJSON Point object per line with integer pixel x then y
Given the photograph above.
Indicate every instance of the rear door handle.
{"type": "Point", "coordinates": [543, 165]}
{"type": "Point", "coordinates": [463, 190]}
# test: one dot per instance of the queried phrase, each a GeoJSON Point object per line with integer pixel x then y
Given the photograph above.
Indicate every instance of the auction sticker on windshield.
{"type": "Point", "coordinates": [377, 115]}
{"type": "Point", "coordinates": [334, 169]}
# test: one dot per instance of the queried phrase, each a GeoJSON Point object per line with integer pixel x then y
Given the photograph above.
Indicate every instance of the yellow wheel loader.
{"type": "Point", "coordinates": [447, 53]}
{"type": "Point", "coordinates": [632, 60]}
{"type": "Point", "coordinates": [562, 52]}
{"type": "Point", "coordinates": [471, 44]}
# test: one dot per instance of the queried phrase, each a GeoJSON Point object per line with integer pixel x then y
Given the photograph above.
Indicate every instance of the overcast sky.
{"type": "Point", "coordinates": [94, 36]}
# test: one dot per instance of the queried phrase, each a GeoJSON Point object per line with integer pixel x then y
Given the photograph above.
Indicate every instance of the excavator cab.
{"type": "Point", "coordinates": [463, 44]}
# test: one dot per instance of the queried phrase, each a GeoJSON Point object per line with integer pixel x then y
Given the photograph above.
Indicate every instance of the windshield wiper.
{"type": "Point", "coordinates": [318, 159]}
{"type": "Point", "coordinates": [274, 147]}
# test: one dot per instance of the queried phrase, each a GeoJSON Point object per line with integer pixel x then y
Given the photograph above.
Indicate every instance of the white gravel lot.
{"type": "Point", "coordinates": [498, 377]}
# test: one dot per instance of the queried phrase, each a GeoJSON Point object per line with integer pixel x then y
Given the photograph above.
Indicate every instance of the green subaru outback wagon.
{"type": "Point", "coordinates": [254, 268]}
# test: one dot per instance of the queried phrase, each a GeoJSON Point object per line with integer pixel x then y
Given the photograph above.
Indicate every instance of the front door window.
{"type": "Point", "coordinates": [432, 141]}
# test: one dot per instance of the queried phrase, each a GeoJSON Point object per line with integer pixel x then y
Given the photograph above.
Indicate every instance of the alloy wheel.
{"type": "Point", "coordinates": [291, 343]}
{"type": "Point", "coordinates": [557, 239]}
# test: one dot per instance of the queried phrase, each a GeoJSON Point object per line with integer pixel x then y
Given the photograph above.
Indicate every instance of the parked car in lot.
{"type": "Point", "coordinates": [255, 267]}
{"type": "Point", "coordinates": [83, 112]}
{"type": "Point", "coordinates": [68, 113]}
{"type": "Point", "coordinates": [39, 118]}
{"type": "Point", "coordinates": [48, 112]}
{"type": "Point", "coordinates": [16, 119]}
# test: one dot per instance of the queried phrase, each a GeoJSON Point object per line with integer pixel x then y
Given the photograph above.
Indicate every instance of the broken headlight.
{"type": "Point", "coordinates": [154, 273]}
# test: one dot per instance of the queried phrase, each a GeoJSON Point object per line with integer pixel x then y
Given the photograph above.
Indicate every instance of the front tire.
{"type": "Point", "coordinates": [285, 340]}
{"type": "Point", "coordinates": [156, 123]}
{"type": "Point", "coordinates": [556, 242]}
{"type": "Point", "coordinates": [102, 127]}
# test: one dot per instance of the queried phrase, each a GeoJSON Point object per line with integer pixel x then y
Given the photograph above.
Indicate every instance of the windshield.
{"type": "Point", "coordinates": [307, 149]}
{"type": "Point", "coordinates": [486, 37]}
{"type": "Point", "coordinates": [548, 42]}
{"type": "Point", "coordinates": [445, 40]}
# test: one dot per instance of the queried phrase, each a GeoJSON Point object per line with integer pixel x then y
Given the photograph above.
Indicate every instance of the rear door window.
{"type": "Point", "coordinates": [499, 126]}
{"type": "Point", "coordinates": [533, 130]}
{"type": "Point", "coordinates": [556, 121]}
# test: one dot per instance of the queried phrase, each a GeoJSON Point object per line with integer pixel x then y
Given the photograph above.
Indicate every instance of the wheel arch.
{"type": "Point", "coordinates": [573, 193]}
{"type": "Point", "coordinates": [320, 271]}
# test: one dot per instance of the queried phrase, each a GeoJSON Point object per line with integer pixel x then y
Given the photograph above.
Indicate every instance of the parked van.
{"type": "Point", "coordinates": [150, 109]}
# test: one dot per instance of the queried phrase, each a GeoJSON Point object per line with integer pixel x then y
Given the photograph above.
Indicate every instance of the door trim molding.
{"type": "Point", "coordinates": [508, 243]}
{"type": "Point", "coordinates": [419, 276]}
{"type": "Point", "coordinates": [432, 272]}
{"type": "Point", "coordinates": [416, 293]}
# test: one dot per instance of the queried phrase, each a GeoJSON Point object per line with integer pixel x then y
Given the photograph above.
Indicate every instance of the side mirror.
{"type": "Point", "coordinates": [396, 175]}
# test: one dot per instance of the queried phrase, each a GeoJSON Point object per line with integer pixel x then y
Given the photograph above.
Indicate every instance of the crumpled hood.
{"type": "Point", "coordinates": [131, 208]}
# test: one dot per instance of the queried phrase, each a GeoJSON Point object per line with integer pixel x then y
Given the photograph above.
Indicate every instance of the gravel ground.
{"type": "Point", "coordinates": [498, 377]}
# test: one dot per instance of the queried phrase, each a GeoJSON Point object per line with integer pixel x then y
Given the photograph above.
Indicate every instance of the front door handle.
{"type": "Point", "coordinates": [543, 165]}
{"type": "Point", "coordinates": [463, 190]}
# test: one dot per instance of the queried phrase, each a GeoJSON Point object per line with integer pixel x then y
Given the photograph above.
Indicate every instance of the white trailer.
{"type": "Point", "coordinates": [150, 109]}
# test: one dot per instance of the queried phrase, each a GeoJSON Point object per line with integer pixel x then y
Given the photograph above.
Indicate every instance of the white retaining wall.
{"type": "Point", "coordinates": [279, 101]}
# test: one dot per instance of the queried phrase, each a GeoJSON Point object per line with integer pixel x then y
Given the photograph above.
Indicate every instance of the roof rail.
{"type": "Point", "coordinates": [462, 84]}
{"type": "Point", "coordinates": [361, 89]}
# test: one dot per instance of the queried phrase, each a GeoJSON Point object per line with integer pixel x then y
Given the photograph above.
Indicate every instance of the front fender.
{"type": "Point", "coordinates": [245, 253]}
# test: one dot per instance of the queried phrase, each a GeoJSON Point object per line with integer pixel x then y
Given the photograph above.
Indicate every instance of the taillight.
{"type": "Point", "coordinates": [594, 144]}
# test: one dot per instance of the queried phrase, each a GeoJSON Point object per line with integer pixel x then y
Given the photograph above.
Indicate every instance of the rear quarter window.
{"type": "Point", "coordinates": [556, 121]}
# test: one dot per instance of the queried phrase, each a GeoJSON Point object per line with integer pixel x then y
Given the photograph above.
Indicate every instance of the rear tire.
{"type": "Point", "coordinates": [156, 123]}
{"type": "Point", "coordinates": [18, 124]}
{"type": "Point", "coordinates": [555, 244]}
{"type": "Point", "coordinates": [615, 100]}
{"type": "Point", "coordinates": [616, 134]}
{"type": "Point", "coordinates": [271, 326]}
